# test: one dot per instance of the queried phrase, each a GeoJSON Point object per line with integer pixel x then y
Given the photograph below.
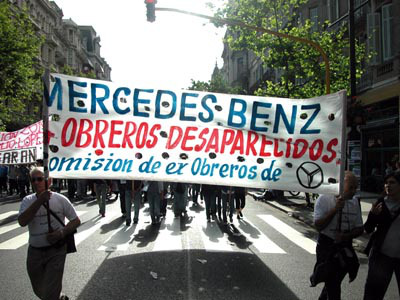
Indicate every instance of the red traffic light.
{"type": "Point", "coordinates": [151, 7]}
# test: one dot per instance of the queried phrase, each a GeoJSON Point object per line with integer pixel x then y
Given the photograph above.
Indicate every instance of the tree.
{"type": "Point", "coordinates": [217, 84]}
{"type": "Point", "coordinates": [67, 70]}
{"type": "Point", "coordinates": [19, 73]}
{"type": "Point", "coordinates": [302, 71]}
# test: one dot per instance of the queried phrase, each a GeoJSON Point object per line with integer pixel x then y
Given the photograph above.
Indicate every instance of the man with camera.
{"type": "Point", "coordinates": [47, 250]}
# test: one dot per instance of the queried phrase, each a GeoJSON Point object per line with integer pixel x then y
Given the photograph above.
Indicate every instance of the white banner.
{"type": "Point", "coordinates": [23, 146]}
{"type": "Point", "coordinates": [100, 129]}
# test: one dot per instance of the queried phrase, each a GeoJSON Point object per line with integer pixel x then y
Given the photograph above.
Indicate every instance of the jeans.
{"type": "Point", "coordinates": [101, 195]}
{"type": "Point", "coordinates": [154, 205]}
{"type": "Point", "coordinates": [128, 204]}
{"type": "Point", "coordinates": [380, 271]}
{"type": "Point", "coordinates": [179, 202]}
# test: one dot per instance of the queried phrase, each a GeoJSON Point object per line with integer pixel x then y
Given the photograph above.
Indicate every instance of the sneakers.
{"type": "Point", "coordinates": [135, 221]}
{"type": "Point", "coordinates": [241, 215]}
{"type": "Point", "coordinates": [128, 223]}
{"type": "Point", "coordinates": [103, 215]}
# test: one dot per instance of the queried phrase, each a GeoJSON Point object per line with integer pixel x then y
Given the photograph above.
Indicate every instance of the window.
{"type": "Point", "coordinates": [373, 32]}
{"type": "Point", "coordinates": [314, 18]}
{"type": "Point", "coordinates": [387, 23]}
{"type": "Point", "coordinates": [71, 35]}
{"type": "Point", "coordinates": [333, 10]}
{"type": "Point", "coordinates": [70, 57]}
{"type": "Point", "coordinates": [379, 30]}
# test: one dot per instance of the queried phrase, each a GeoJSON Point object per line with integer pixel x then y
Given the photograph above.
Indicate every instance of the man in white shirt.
{"type": "Point", "coordinates": [45, 260]}
{"type": "Point", "coordinates": [326, 216]}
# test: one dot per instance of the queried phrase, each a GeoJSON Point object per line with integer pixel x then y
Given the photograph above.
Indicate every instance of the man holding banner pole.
{"type": "Point", "coordinates": [46, 259]}
{"type": "Point", "coordinates": [338, 220]}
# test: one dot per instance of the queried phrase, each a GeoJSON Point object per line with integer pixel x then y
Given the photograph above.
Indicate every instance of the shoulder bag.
{"type": "Point", "coordinates": [69, 239]}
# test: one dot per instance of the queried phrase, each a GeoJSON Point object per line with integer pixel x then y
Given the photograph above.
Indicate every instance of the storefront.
{"type": "Point", "coordinates": [379, 143]}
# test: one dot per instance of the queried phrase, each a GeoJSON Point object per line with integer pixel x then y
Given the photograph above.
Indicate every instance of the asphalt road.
{"type": "Point", "coordinates": [268, 255]}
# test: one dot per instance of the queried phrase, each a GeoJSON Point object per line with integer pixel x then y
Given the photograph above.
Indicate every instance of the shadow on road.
{"type": "Point", "coordinates": [191, 274]}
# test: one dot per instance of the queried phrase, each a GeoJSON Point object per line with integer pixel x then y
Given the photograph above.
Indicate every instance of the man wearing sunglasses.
{"type": "Point", "coordinates": [45, 260]}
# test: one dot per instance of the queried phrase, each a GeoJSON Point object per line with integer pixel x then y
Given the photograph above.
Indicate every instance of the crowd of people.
{"type": "Point", "coordinates": [338, 220]}
{"type": "Point", "coordinates": [221, 203]}
{"type": "Point", "coordinates": [14, 180]}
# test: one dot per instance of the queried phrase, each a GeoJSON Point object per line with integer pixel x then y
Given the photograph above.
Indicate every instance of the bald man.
{"type": "Point", "coordinates": [326, 215]}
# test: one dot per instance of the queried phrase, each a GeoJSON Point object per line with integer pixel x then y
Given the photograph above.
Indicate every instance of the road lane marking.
{"type": "Point", "coordinates": [293, 235]}
{"type": "Point", "coordinates": [84, 234]}
{"type": "Point", "coordinates": [7, 214]}
{"type": "Point", "coordinates": [169, 237]}
{"type": "Point", "coordinates": [257, 238]}
{"type": "Point", "coordinates": [9, 227]}
{"type": "Point", "coordinates": [15, 242]}
{"type": "Point", "coordinates": [19, 240]}
{"type": "Point", "coordinates": [213, 238]}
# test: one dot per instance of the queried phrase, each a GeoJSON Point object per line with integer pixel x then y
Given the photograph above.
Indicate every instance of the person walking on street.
{"type": "Point", "coordinates": [227, 197]}
{"type": "Point", "coordinates": [209, 192]}
{"type": "Point", "coordinates": [240, 199]}
{"type": "Point", "coordinates": [101, 195]}
{"type": "Point", "coordinates": [338, 220]}
{"type": "Point", "coordinates": [154, 196]}
{"type": "Point", "coordinates": [122, 186]}
{"type": "Point", "coordinates": [384, 245]}
{"type": "Point", "coordinates": [12, 180]}
{"type": "Point", "coordinates": [133, 190]}
{"type": "Point", "coordinates": [23, 180]}
{"type": "Point", "coordinates": [3, 180]}
{"type": "Point", "coordinates": [195, 193]}
{"type": "Point", "coordinates": [46, 259]}
{"type": "Point", "coordinates": [179, 190]}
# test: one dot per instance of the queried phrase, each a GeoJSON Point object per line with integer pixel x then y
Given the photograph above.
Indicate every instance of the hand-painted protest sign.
{"type": "Point", "coordinates": [23, 146]}
{"type": "Point", "coordinates": [101, 129]}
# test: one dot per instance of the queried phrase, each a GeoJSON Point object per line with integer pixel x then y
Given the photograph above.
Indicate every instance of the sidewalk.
{"type": "Point", "coordinates": [297, 208]}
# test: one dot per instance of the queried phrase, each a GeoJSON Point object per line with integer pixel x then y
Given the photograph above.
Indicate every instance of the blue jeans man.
{"type": "Point", "coordinates": [136, 206]}
{"type": "Point", "coordinates": [154, 196]}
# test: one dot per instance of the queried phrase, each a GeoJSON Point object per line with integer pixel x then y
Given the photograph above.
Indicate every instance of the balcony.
{"type": "Point", "coordinates": [384, 69]}
{"type": "Point", "coordinates": [51, 40]}
{"type": "Point", "coordinates": [366, 81]}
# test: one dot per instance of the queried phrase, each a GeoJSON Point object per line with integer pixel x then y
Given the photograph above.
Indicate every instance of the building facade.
{"type": "Point", "coordinates": [67, 48]}
{"type": "Point", "coordinates": [377, 24]}
{"type": "Point", "coordinates": [66, 43]}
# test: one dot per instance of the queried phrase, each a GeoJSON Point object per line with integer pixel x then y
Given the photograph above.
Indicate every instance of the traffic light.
{"type": "Point", "coordinates": [151, 7]}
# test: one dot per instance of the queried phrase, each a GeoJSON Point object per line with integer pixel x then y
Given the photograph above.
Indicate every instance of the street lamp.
{"type": "Point", "coordinates": [258, 29]}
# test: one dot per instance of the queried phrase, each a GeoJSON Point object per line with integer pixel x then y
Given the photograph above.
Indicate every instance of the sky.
{"type": "Point", "coordinates": [167, 53]}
